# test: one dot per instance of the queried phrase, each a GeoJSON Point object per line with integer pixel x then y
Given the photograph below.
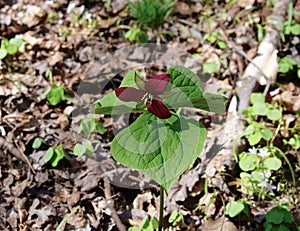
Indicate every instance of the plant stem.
{"type": "Point", "coordinates": [161, 209]}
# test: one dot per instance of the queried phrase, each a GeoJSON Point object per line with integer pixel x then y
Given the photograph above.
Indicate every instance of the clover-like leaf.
{"type": "Point", "coordinates": [234, 208]}
{"type": "Point", "coordinates": [248, 162]}
{"type": "Point", "coordinates": [272, 163]}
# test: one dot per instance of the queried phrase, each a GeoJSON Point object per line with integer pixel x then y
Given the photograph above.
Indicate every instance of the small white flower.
{"type": "Point", "coordinates": [79, 10]}
{"type": "Point", "coordinates": [267, 185]}
{"type": "Point", "coordinates": [1, 67]}
{"type": "Point", "coordinates": [252, 150]}
{"type": "Point", "coordinates": [262, 184]}
{"type": "Point", "coordinates": [263, 152]}
{"type": "Point", "coordinates": [267, 173]}
{"type": "Point", "coordinates": [275, 92]}
{"type": "Point", "coordinates": [71, 6]}
{"type": "Point", "coordinates": [271, 187]}
{"type": "Point", "coordinates": [88, 16]}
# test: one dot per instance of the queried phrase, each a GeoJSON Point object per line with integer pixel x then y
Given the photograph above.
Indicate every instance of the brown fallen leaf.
{"type": "Point", "coordinates": [220, 224]}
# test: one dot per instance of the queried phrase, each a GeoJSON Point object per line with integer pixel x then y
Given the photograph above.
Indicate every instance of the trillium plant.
{"type": "Point", "coordinates": [160, 143]}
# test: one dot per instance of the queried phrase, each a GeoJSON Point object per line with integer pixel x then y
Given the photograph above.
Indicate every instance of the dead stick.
{"type": "Point", "coordinates": [114, 215]}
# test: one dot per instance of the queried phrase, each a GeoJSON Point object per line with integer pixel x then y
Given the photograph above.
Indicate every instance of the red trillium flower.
{"type": "Point", "coordinates": [148, 92]}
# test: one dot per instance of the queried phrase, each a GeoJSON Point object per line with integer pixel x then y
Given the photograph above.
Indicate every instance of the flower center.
{"type": "Point", "coordinates": [148, 97]}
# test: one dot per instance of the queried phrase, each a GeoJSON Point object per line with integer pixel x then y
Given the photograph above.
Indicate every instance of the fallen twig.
{"type": "Point", "coordinates": [114, 215]}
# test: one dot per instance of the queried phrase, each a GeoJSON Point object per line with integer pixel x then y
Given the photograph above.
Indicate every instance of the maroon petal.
{"type": "Point", "coordinates": [157, 108]}
{"type": "Point", "coordinates": [157, 84]}
{"type": "Point", "coordinates": [129, 94]}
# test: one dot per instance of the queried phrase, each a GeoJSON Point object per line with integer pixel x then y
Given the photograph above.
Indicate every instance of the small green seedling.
{"type": "Point", "coordinates": [287, 65]}
{"type": "Point", "coordinates": [10, 47]}
{"type": "Point", "coordinates": [56, 154]}
{"type": "Point", "coordinates": [84, 148]}
{"type": "Point", "coordinates": [234, 208]}
{"type": "Point", "coordinates": [146, 225]}
{"type": "Point", "coordinates": [151, 14]}
{"type": "Point", "coordinates": [56, 93]}
{"type": "Point", "coordinates": [38, 142]}
{"type": "Point", "coordinates": [176, 218]}
{"type": "Point", "coordinates": [257, 131]}
{"type": "Point", "coordinates": [136, 35]}
{"type": "Point", "coordinates": [89, 125]}
{"type": "Point", "coordinates": [256, 166]}
{"type": "Point", "coordinates": [211, 67]}
{"type": "Point", "coordinates": [215, 38]}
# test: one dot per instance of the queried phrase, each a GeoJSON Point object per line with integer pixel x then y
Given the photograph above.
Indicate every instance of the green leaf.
{"type": "Point", "coordinates": [274, 114]}
{"type": "Point", "coordinates": [154, 223]}
{"type": "Point", "coordinates": [283, 227]}
{"type": "Point", "coordinates": [16, 41]}
{"type": "Point", "coordinates": [210, 67]}
{"type": "Point", "coordinates": [154, 146]}
{"type": "Point", "coordinates": [55, 154]}
{"type": "Point", "coordinates": [111, 105]}
{"type": "Point", "coordinates": [84, 148]}
{"type": "Point", "coordinates": [222, 44]}
{"type": "Point", "coordinates": [248, 162]}
{"type": "Point", "coordinates": [257, 98]}
{"type": "Point", "coordinates": [48, 155]}
{"type": "Point", "coordinates": [12, 49]}
{"type": "Point", "coordinates": [37, 143]}
{"type": "Point", "coordinates": [234, 208]}
{"type": "Point", "coordinates": [266, 134]}
{"type": "Point", "coordinates": [89, 125]}
{"type": "Point", "coordinates": [275, 215]}
{"type": "Point", "coordinates": [55, 95]}
{"type": "Point", "coordinates": [272, 163]}
{"type": "Point", "coordinates": [3, 53]}
{"type": "Point", "coordinates": [260, 109]}
{"type": "Point", "coordinates": [187, 88]}
{"type": "Point", "coordinates": [254, 138]}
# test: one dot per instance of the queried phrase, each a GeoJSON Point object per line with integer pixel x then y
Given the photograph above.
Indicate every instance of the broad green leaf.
{"type": "Point", "coordinates": [187, 88]}
{"type": "Point", "coordinates": [234, 208]}
{"type": "Point", "coordinates": [248, 162]}
{"type": "Point", "coordinates": [55, 95]}
{"type": "Point", "coordinates": [272, 163]}
{"type": "Point", "coordinates": [275, 215]}
{"type": "Point", "coordinates": [274, 114]}
{"type": "Point", "coordinates": [257, 98]}
{"type": "Point", "coordinates": [3, 53]}
{"type": "Point", "coordinates": [154, 146]}
{"type": "Point", "coordinates": [111, 105]}
{"type": "Point", "coordinates": [130, 79]}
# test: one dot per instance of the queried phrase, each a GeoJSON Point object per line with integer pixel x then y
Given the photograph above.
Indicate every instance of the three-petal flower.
{"type": "Point", "coordinates": [149, 92]}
